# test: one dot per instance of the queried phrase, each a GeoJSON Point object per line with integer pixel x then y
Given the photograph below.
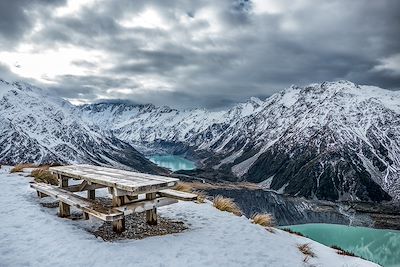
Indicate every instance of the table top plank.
{"type": "Point", "coordinates": [138, 175]}
{"type": "Point", "coordinates": [120, 179]}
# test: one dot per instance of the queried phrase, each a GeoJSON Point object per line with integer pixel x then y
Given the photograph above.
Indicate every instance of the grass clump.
{"type": "Point", "coordinates": [188, 188]}
{"type": "Point", "coordinates": [343, 252]}
{"type": "Point", "coordinates": [42, 175]}
{"type": "Point", "coordinates": [184, 187]}
{"type": "Point", "coordinates": [226, 204]}
{"type": "Point", "coordinates": [201, 197]}
{"type": "Point", "coordinates": [266, 220]}
{"type": "Point", "coordinates": [21, 167]}
{"type": "Point", "coordinates": [306, 250]}
{"type": "Point", "coordinates": [290, 231]}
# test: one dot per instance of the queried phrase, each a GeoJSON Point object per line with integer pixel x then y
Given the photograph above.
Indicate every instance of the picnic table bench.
{"type": "Point", "coordinates": [131, 192]}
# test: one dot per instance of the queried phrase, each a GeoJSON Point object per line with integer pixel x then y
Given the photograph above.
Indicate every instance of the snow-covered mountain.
{"type": "Point", "coordinates": [37, 127]}
{"type": "Point", "coordinates": [335, 140]}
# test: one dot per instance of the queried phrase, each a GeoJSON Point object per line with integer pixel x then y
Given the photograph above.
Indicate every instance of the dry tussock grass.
{"type": "Point", "coordinates": [42, 175]}
{"type": "Point", "coordinates": [266, 220]}
{"type": "Point", "coordinates": [184, 187]}
{"type": "Point", "coordinates": [188, 188]}
{"type": "Point", "coordinates": [21, 167]}
{"type": "Point", "coordinates": [201, 197]}
{"type": "Point", "coordinates": [226, 204]}
{"type": "Point", "coordinates": [306, 250]}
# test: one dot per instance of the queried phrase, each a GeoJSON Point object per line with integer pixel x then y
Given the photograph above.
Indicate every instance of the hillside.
{"type": "Point", "coordinates": [335, 140]}
{"type": "Point", "coordinates": [39, 128]}
{"type": "Point", "coordinates": [214, 238]}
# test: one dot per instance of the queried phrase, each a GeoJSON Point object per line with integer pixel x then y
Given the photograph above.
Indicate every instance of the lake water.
{"type": "Point", "coordinates": [380, 246]}
{"type": "Point", "coordinates": [173, 162]}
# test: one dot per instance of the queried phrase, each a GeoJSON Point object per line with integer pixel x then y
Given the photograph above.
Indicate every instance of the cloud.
{"type": "Point", "coordinates": [390, 64]}
{"type": "Point", "coordinates": [201, 53]}
{"type": "Point", "coordinates": [17, 17]}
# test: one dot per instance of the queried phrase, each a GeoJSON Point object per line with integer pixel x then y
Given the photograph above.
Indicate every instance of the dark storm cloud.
{"type": "Point", "coordinates": [16, 17]}
{"type": "Point", "coordinates": [215, 53]}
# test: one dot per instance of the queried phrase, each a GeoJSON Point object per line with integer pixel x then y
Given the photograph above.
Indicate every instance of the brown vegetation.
{"type": "Point", "coordinates": [226, 204]}
{"type": "Point", "coordinates": [184, 187]}
{"type": "Point", "coordinates": [266, 220]}
{"type": "Point", "coordinates": [292, 232]}
{"type": "Point", "coordinates": [188, 188]}
{"type": "Point", "coordinates": [21, 167]}
{"type": "Point", "coordinates": [201, 197]}
{"type": "Point", "coordinates": [343, 252]}
{"type": "Point", "coordinates": [42, 175]}
{"type": "Point", "coordinates": [306, 250]}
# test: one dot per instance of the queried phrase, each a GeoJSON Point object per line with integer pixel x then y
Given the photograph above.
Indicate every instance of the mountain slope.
{"type": "Point", "coordinates": [335, 140]}
{"type": "Point", "coordinates": [39, 128]}
{"type": "Point", "coordinates": [213, 238]}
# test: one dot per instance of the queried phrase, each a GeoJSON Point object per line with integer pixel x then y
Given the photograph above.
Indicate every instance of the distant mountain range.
{"type": "Point", "coordinates": [334, 140]}
{"type": "Point", "coordinates": [38, 128]}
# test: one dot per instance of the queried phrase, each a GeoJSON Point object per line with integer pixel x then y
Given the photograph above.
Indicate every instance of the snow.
{"type": "Point", "coordinates": [357, 117]}
{"type": "Point", "coordinates": [31, 235]}
{"type": "Point", "coordinates": [38, 127]}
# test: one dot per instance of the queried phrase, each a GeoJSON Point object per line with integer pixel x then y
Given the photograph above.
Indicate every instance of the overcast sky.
{"type": "Point", "coordinates": [196, 53]}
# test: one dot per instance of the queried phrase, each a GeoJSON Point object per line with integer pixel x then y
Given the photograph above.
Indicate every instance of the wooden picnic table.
{"type": "Point", "coordinates": [131, 192]}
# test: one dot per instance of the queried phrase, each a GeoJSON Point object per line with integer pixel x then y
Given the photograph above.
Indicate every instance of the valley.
{"type": "Point", "coordinates": [330, 141]}
{"type": "Point", "coordinates": [318, 153]}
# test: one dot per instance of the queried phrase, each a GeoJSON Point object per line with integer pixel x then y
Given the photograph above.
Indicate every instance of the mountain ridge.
{"type": "Point", "coordinates": [332, 140]}
{"type": "Point", "coordinates": [40, 128]}
{"type": "Point", "coordinates": [344, 133]}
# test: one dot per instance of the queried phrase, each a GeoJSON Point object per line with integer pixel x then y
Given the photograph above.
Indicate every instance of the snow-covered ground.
{"type": "Point", "coordinates": [31, 235]}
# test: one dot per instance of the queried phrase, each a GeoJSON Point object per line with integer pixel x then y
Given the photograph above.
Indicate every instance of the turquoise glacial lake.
{"type": "Point", "coordinates": [379, 246]}
{"type": "Point", "coordinates": [173, 162]}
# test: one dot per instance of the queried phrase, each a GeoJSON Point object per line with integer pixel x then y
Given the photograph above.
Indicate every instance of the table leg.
{"type": "Point", "coordinates": [151, 215]}
{"type": "Point", "coordinates": [41, 195]}
{"type": "Point", "coordinates": [91, 194]}
{"type": "Point", "coordinates": [64, 209]}
{"type": "Point", "coordinates": [119, 225]}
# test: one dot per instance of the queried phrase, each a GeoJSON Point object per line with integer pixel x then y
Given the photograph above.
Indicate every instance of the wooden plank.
{"type": "Point", "coordinates": [119, 225]}
{"type": "Point", "coordinates": [145, 205]}
{"type": "Point", "coordinates": [130, 175]}
{"type": "Point", "coordinates": [151, 215]}
{"type": "Point", "coordinates": [41, 195]}
{"type": "Point", "coordinates": [91, 194]}
{"type": "Point", "coordinates": [79, 188]}
{"type": "Point", "coordinates": [121, 183]}
{"type": "Point", "coordinates": [64, 209]}
{"type": "Point", "coordinates": [86, 205]}
{"type": "Point", "coordinates": [177, 194]}
{"type": "Point", "coordinates": [124, 180]}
